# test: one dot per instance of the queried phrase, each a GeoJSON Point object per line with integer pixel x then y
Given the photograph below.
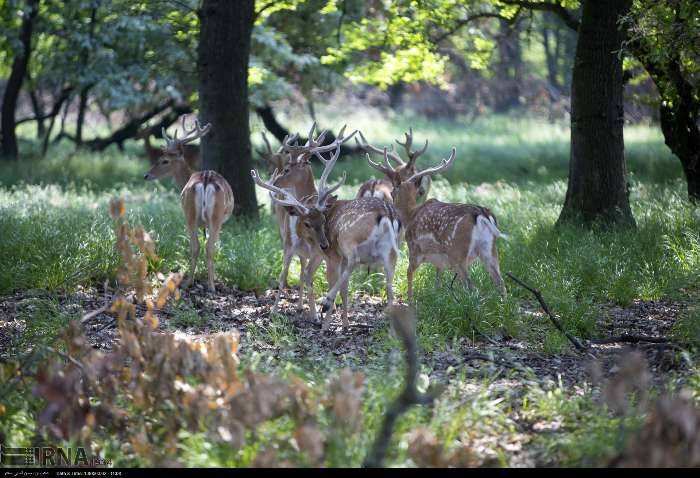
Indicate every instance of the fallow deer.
{"type": "Point", "coordinates": [297, 177]}
{"type": "Point", "coordinates": [206, 197]}
{"type": "Point", "coordinates": [382, 188]}
{"type": "Point", "coordinates": [443, 234]}
{"type": "Point", "coordinates": [348, 232]}
{"type": "Point", "coordinates": [191, 151]}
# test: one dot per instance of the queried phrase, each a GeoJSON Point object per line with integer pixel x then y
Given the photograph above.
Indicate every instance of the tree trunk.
{"type": "Point", "coordinates": [224, 49]}
{"type": "Point", "coordinates": [37, 108]}
{"type": "Point", "coordinates": [509, 69]}
{"type": "Point", "coordinates": [598, 190]}
{"type": "Point", "coordinates": [679, 124]}
{"type": "Point", "coordinates": [14, 83]}
{"type": "Point", "coordinates": [82, 107]}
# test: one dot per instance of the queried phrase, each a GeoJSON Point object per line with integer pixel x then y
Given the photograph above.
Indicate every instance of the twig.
{"type": "Point", "coordinates": [630, 339]}
{"type": "Point", "coordinates": [95, 313]}
{"type": "Point", "coordinates": [403, 319]}
{"type": "Point", "coordinates": [579, 346]}
{"type": "Point", "coordinates": [63, 355]}
{"type": "Point", "coordinates": [497, 361]}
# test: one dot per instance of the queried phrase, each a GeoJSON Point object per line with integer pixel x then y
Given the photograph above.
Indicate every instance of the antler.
{"type": "Point", "coordinates": [313, 145]}
{"type": "Point", "coordinates": [383, 168]}
{"type": "Point", "coordinates": [412, 155]}
{"type": "Point", "coordinates": [323, 191]}
{"type": "Point", "coordinates": [373, 149]}
{"type": "Point", "coordinates": [444, 164]}
{"type": "Point", "coordinates": [197, 132]}
{"type": "Point", "coordinates": [288, 198]}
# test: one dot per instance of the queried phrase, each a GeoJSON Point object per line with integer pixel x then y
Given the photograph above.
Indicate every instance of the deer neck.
{"type": "Point", "coordinates": [406, 207]}
{"type": "Point", "coordinates": [182, 173]}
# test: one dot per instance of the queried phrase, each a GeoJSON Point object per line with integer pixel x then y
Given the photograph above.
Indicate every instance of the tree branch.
{"type": "Point", "coordinates": [403, 321]}
{"type": "Point", "coordinates": [579, 346]}
{"type": "Point", "coordinates": [465, 21]}
{"type": "Point", "coordinates": [569, 20]}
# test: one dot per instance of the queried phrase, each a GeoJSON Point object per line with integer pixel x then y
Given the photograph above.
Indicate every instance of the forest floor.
{"type": "Point", "coordinates": [511, 365]}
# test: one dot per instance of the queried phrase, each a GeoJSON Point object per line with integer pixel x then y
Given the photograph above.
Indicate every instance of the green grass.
{"type": "Point", "coordinates": [57, 235]}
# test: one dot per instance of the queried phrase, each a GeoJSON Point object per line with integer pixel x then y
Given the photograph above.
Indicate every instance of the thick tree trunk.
{"type": "Point", "coordinates": [598, 190]}
{"type": "Point", "coordinates": [224, 49]}
{"type": "Point", "coordinates": [679, 124]}
{"type": "Point", "coordinates": [14, 83]}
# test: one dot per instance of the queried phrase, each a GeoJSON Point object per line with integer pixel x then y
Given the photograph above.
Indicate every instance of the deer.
{"type": "Point", "coordinates": [382, 188]}
{"type": "Point", "coordinates": [347, 232]}
{"type": "Point", "coordinates": [191, 151]}
{"type": "Point", "coordinates": [446, 235]}
{"type": "Point", "coordinates": [206, 197]}
{"type": "Point", "coordinates": [297, 176]}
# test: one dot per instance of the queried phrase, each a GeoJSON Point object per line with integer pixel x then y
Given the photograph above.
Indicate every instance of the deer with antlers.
{"type": "Point", "coordinates": [191, 151]}
{"type": "Point", "coordinates": [347, 232]}
{"type": "Point", "coordinates": [446, 235]}
{"type": "Point", "coordinates": [297, 176]}
{"type": "Point", "coordinates": [297, 179]}
{"type": "Point", "coordinates": [382, 188]}
{"type": "Point", "coordinates": [206, 197]}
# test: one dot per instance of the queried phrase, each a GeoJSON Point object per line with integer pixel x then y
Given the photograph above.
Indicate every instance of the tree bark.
{"type": "Point", "coordinates": [598, 190]}
{"type": "Point", "coordinates": [82, 106]}
{"type": "Point", "coordinates": [509, 69]}
{"type": "Point", "coordinates": [224, 50]}
{"type": "Point", "coordinates": [679, 112]}
{"type": "Point", "coordinates": [14, 83]}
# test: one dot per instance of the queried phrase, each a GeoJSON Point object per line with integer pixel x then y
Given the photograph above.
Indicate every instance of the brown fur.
{"type": "Point", "coordinates": [442, 233]}
{"type": "Point", "coordinates": [173, 164]}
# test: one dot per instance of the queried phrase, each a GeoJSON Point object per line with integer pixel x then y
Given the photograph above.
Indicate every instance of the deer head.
{"type": "Point", "coordinates": [402, 169]}
{"type": "Point", "coordinates": [173, 154]}
{"type": "Point", "coordinates": [310, 209]}
{"type": "Point", "coordinates": [406, 191]}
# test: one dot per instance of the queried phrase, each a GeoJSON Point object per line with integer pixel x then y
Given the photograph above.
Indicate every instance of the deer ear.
{"type": "Point", "coordinates": [291, 210]}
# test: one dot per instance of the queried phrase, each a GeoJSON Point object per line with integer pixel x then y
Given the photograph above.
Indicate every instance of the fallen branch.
{"type": "Point", "coordinates": [403, 321]}
{"type": "Point", "coordinates": [95, 313]}
{"type": "Point", "coordinates": [630, 339]}
{"type": "Point", "coordinates": [497, 361]}
{"type": "Point", "coordinates": [577, 343]}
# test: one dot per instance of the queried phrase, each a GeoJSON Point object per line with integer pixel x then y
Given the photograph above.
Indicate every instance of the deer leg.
{"type": "Point", "coordinates": [463, 273]}
{"type": "Point", "coordinates": [211, 249]}
{"type": "Point", "coordinates": [302, 281]}
{"type": "Point", "coordinates": [409, 277]}
{"type": "Point", "coordinates": [329, 300]}
{"type": "Point", "coordinates": [389, 268]}
{"type": "Point", "coordinates": [286, 260]}
{"type": "Point", "coordinates": [344, 298]}
{"type": "Point", "coordinates": [491, 263]}
{"type": "Point", "coordinates": [194, 255]}
{"type": "Point", "coordinates": [311, 268]}
{"type": "Point", "coordinates": [288, 256]}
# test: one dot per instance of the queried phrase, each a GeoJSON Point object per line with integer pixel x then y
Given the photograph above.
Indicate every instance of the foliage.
{"type": "Point", "coordinates": [152, 387]}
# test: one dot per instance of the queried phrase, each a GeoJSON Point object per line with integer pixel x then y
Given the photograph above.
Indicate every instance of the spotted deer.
{"type": "Point", "coordinates": [191, 151]}
{"type": "Point", "coordinates": [206, 197]}
{"type": "Point", "coordinates": [297, 177]}
{"type": "Point", "coordinates": [347, 232]}
{"type": "Point", "coordinates": [382, 188]}
{"type": "Point", "coordinates": [449, 236]}
{"type": "Point", "coordinates": [359, 231]}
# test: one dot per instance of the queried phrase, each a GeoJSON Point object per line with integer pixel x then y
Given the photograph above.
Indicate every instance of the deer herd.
{"type": "Point", "coordinates": [316, 226]}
